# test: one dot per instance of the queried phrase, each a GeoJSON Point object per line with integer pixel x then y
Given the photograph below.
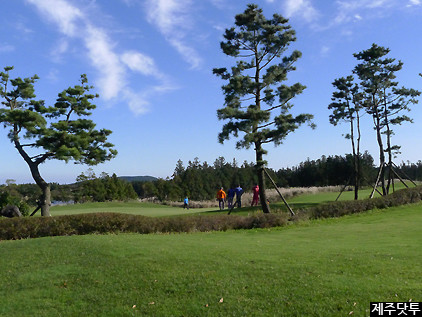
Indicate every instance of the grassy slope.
{"type": "Point", "coordinates": [321, 268]}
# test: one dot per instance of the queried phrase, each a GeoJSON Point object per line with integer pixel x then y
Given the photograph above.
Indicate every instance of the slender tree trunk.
{"type": "Point", "coordinates": [355, 158]}
{"type": "Point", "coordinates": [358, 157]}
{"type": "Point", "coordinates": [390, 155]}
{"type": "Point", "coordinates": [377, 122]}
{"type": "Point", "coordinates": [261, 178]}
{"type": "Point", "coordinates": [258, 145]}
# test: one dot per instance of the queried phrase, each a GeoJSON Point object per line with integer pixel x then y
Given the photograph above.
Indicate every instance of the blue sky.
{"type": "Point", "coordinates": [151, 62]}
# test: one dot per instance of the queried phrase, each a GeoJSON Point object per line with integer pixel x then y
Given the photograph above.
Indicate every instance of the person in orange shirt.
{"type": "Point", "coordinates": [221, 197]}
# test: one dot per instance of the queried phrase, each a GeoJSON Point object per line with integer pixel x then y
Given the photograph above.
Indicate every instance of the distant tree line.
{"type": "Point", "coordinates": [200, 181]}
{"type": "Point", "coordinates": [88, 188]}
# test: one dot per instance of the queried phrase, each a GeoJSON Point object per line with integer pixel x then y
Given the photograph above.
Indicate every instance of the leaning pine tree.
{"type": "Point", "coordinates": [256, 103]}
{"type": "Point", "coordinates": [61, 131]}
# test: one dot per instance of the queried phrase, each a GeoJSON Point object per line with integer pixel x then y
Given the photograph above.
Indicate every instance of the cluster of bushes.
{"type": "Point", "coordinates": [7, 199]}
{"type": "Point", "coordinates": [100, 223]}
{"type": "Point", "coordinates": [88, 188]}
{"type": "Point", "coordinates": [341, 208]}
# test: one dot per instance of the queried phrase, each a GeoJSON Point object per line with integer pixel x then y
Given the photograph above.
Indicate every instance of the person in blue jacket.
{"type": "Point", "coordinates": [230, 196]}
{"type": "Point", "coordinates": [239, 192]}
{"type": "Point", "coordinates": [186, 203]}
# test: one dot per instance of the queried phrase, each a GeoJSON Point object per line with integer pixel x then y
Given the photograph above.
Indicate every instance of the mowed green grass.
{"type": "Point", "coordinates": [330, 267]}
{"type": "Point", "coordinates": [132, 207]}
{"type": "Point", "coordinates": [156, 210]}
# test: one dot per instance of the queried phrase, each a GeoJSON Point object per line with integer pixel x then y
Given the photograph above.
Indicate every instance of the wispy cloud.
{"type": "Point", "coordinates": [301, 8]}
{"type": "Point", "coordinates": [354, 10]}
{"type": "Point", "coordinates": [172, 18]}
{"type": "Point", "coordinates": [414, 3]}
{"type": "Point", "coordinates": [4, 47]}
{"type": "Point", "coordinates": [111, 66]}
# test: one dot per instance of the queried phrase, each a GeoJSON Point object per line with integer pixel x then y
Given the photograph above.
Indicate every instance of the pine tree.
{"type": "Point", "coordinates": [254, 91]}
{"type": "Point", "coordinates": [346, 106]}
{"type": "Point", "coordinates": [58, 132]}
{"type": "Point", "coordinates": [383, 99]}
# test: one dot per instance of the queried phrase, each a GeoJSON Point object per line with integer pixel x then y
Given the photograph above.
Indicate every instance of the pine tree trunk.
{"type": "Point", "coordinates": [261, 178]}
{"type": "Point", "coordinates": [381, 149]}
{"type": "Point", "coordinates": [45, 199]}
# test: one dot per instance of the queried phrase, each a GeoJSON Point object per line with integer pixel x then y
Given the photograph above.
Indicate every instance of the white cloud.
{"type": "Point", "coordinates": [301, 8]}
{"type": "Point", "coordinates": [356, 10]}
{"type": "Point", "coordinates": [60, 12]}
{"type": "Point", "coordinates": [103, 57]}
{"type": "Point", "coordinates": [139, 62]}
{"type": "Point", "coordinates": [6, 48]}
{"type": "Point", "coordinates": [172, 18]}
{"type": "Point", "coordinates": [414, 3]}
{"type": "Point", "coordinates": [111, 67]}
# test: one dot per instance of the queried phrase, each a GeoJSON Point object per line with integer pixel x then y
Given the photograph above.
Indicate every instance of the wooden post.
{"type": "Point", "coordinates": [35, 211]}
{"type": "Point", "coordinates": [400, 178]}
{"type": "Point", "coordinates": [376, 182]}
{"type": "Point", "coordinates": [406, 175]}
{"type": "Point", "coordinates": [275, 186]}
{"type": "Point", "coordinates": [375, 187]}
{"type": "Point", "coordinates": [342, 190]}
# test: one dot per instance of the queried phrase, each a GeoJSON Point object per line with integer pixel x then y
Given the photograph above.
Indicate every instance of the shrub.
{"type": "Point", "coordinates": [101, 223]}
{"type": "Point", "coordinates": [341, 208]}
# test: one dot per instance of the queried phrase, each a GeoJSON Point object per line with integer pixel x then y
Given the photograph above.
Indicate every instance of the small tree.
{"type": "Point", "coordinates": [254, 91]}
{"type": "Point", "coordinates": [383, 99]}
{"type": "Point", "coordinates": [346, 106]}
{"type": "Point", "coordinates": [52, 130]}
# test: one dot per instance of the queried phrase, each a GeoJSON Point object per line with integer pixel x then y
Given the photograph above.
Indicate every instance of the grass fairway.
{"type": "Point", "coordinates": [134, 207]}
{"type": "Point", "coordinates": [324, 268]}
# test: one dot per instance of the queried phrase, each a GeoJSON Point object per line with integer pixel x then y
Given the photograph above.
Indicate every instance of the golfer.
{"type": "Point", "coordinates": [221, 197]}
{"type": "Point", "coordinates": [239, 192]}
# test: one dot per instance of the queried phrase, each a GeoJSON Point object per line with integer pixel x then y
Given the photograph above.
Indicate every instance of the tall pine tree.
{"type": "Point", "coordinates": [257, 104]}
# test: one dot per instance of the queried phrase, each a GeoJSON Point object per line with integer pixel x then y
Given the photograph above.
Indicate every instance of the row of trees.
{"type": "Point", "coordinates": [200, 181]}
{"type": "Point", "coordinates": [257, 103]}
{"type": "Point", "coordinates": [372, 89]}
{"type": "Point", "coordinates": [88, 187]}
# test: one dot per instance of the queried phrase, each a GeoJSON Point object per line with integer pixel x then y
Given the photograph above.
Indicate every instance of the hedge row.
{"type": "Point", "coordinates": [342, 208]}
{"type": "Point", "coordinates": [101, 223]}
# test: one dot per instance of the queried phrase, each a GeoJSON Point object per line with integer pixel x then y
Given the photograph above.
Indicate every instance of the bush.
{"type": "Point", "coordinates": [341, 208]}
{"type": "Point", "coordinates": [100, 223]}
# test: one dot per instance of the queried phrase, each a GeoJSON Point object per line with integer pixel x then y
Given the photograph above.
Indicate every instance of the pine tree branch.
{"type": "Point", "coordinates": [280, 105]}
{"type": "Point", "coordinates": [265, 125]}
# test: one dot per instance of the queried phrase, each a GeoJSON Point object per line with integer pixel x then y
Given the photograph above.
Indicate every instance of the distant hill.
{"type": "Point", "coordinates": [138, 178]}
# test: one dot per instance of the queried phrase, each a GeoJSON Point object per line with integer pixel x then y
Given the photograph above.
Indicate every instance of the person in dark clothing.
{"type": "Point", "coordinates": [239, 192]}
{"type": "Point", "coordinates": [230, 196]}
